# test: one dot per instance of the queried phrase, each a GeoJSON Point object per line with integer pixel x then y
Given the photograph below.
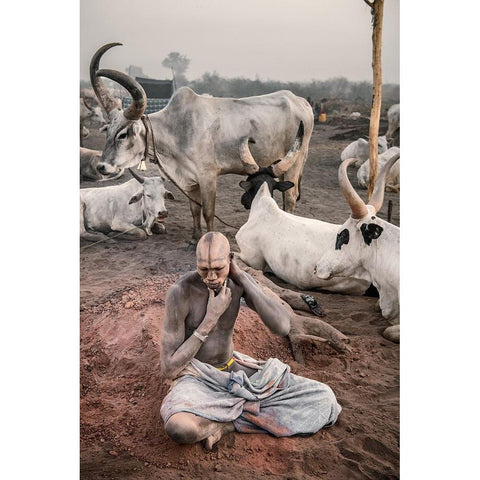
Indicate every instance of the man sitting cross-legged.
{"type": "Point", "coordinates": [217, 390]}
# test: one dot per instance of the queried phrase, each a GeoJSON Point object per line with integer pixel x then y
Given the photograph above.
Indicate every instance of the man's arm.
{"type": "Point", "coordinates": [273, 314]}
{"type": "Point", "coordinates": [176, 351]}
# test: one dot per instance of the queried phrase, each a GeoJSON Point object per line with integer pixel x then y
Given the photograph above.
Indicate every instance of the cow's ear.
{"type": "Point", "coordinates": [283, 186]}
{"type": "Point", "coordinates": [136, 198]}
{"type": "Point", "coordinates": [245, 185]}
{"type": "Point", "coordinates": [370, 231]}
{"type": "Point", "coordinates": [168, 194]}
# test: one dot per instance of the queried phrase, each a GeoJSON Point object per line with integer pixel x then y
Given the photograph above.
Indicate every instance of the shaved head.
{"type": "Point", "coordinates": [213, 259]}
{"type": "Point", "coordinates": [213, 246]}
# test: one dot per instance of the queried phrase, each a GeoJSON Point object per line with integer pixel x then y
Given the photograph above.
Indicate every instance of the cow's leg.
{"type": "Point", "coordinates": [95, 237]}
{"type": "Point", "coordinates": [392, 333]}
{"type": "Point", "coordinates": [196, 209]}
{"type": "Point", "coordinates": [294, 175]}
{"type": "Point", "coordinates": [127, 231]}
{"type": "Point", "coordinates": [88, 235]}
{"type": "Point", "coordinates": [208, 192]}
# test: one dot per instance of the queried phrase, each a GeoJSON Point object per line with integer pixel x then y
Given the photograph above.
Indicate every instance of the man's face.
{"type": "Point", "coordinates": [213, 260]}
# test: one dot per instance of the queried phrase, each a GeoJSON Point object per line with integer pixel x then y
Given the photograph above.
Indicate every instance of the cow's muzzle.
{"type": "Point", "coordinates": [162, 216]}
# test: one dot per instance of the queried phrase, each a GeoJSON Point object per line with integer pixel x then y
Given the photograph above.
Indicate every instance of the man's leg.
{"type": "Point", "coordinates": [185, 427]}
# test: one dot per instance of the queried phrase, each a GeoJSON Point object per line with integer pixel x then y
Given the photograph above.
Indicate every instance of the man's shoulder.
{"type": "Point", "coordinates": [186, 281]}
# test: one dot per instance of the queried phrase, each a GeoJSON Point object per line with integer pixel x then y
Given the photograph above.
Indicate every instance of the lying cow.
{"type": "Point", "coordinates": [129, 209]}
{"type": "Point", "coordinates": [88, 112]}
{"type": "Point", "coordinates": [88, 166]}
{"type": "Point", "coordinates": [368, 243]}
{"type": "Point", "coordinates": [393, 131]}
{"type": "Point", "coordinates": [289, 245]}
{"type": "Point", "coordinates": [392, 183]}
{"type": "Point", "coordinates": [359, 149]}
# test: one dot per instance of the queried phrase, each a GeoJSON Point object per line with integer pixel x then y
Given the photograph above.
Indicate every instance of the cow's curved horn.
{"type": "Point", "coordinates": [137, 107]}
{"type": "Point", "coordinates": [246, 156]}
{"type": "Point", "coordinates": [138, 178]}
{"type": "Point", "coordinates": [281, 167]}
{"type": "Point", "coordinates": [104, 96]}
{"type": "Point", "coordinates": [376, 200]}
{"type": "Point", "coordinates": [358, 208]}
{"type": "Point", "coordinates": [86, 103]}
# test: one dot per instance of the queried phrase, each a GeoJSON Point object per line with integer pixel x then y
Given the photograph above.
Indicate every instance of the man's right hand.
{"type": "Point", "coordinates": [217, 305]}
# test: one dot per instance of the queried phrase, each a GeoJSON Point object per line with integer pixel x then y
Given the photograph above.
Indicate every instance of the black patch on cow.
{"type": "Point", "coordinates": [371, 291]}
{"type": "Point", "coordinates": [370, 232]}
{"type": "Point", "coordinates": [342, 239]}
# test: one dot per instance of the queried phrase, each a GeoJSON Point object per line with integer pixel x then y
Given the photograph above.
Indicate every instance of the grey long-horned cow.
{"type": "Point", "coordinates": [367, 243]}
{"type": "Point", "coordinates": [197, 137]}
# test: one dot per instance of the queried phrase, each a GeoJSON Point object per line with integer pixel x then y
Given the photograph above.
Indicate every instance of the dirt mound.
{"type": "Point", "coordinates": [122, 433]}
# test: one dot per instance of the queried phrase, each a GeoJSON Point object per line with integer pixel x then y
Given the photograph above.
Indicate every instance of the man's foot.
{"type": "Point", "coordinates": [210, 441]}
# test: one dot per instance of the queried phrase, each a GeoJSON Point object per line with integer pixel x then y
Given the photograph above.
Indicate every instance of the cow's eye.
{"type": "Point", "coordinates": [122, 136]}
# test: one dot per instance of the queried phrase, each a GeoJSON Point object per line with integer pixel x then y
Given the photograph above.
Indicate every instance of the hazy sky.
{"type": "Point", "coordinates": [295, 40]}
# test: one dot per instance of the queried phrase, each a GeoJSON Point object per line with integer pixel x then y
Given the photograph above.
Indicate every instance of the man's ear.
{"type": "Point", "coordinates": [136, 198]}
{"type": "Point", "coordinates": [283, 186]}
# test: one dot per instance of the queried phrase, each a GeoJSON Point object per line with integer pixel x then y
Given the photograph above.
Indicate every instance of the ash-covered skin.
{"type": "Point", "coordinates": [213, 260]}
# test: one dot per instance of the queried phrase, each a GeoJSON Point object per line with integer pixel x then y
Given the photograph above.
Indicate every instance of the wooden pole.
{"type": "Point", "coordinates": [377, 20]}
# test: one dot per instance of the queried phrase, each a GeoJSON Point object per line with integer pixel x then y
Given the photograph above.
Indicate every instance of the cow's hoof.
{"type": "Point", "coordinates": [392, 333]}
{"type": "Point", "coordinates": [158, 228]}
{"type": "Point", "coordinates": [313, 305]}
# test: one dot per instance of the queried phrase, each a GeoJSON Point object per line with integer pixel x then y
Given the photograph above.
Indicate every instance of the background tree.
{"type": "Point", "coordinates": [376, 8]}
{"type": "Point", "coordinates": [179, 64]}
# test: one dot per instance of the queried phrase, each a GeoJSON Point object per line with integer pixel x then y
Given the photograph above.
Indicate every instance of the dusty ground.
{"type": "Point", "coordinates": [122, 298]}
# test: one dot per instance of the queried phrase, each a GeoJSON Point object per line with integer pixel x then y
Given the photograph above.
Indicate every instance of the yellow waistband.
{"type": "Point", "coordinates": [226, 365]}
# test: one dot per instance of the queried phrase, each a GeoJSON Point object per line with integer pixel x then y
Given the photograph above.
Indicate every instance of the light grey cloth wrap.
{"type": "Point", "coordinates": [272, 400]}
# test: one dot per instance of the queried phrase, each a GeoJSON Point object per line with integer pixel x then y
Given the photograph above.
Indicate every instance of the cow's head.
{"type": "Point", "coordinates": [125, 133]}
{"type": "Point", "coordinates": [356, 238]}
{"type": "Point", "coordinates": [255, 181]}
{"type": "Point", "coordinates": [153, 193]}
{"type": "Point", "coordinates": [269, 174]}
{"type": "Point", "coordinates": [363, 149]}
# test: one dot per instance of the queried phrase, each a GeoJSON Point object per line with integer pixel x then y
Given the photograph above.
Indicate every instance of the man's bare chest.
{"type": "Point", "coordinates": [198, 310]}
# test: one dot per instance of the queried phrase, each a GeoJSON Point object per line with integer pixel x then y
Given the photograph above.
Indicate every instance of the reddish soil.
{"type": "Point", "coordinates": [122, 298]}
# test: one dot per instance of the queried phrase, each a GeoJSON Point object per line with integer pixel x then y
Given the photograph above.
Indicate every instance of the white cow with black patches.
{"type": "Point", "coordinates": [128, 211]}
{"type": "Point", "coordinates": [366, 242]}
{"type": "Point", "coordinates": [289, 245]}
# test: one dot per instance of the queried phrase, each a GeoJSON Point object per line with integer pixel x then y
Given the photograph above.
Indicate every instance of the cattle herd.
{"type": "Point", "coordinates": [196, 138]}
